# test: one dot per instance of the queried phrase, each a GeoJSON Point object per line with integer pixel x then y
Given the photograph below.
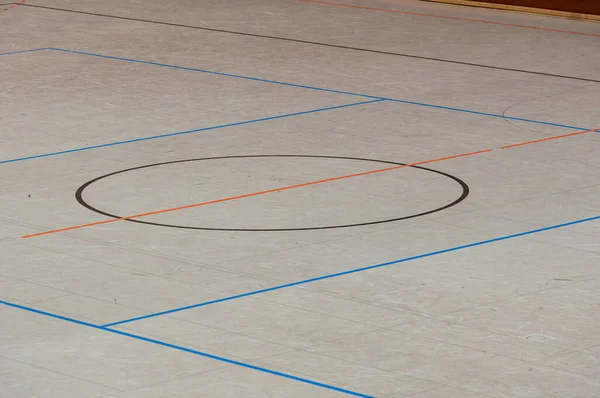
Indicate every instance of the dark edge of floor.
{"type": "Point", "coordinates": [531, 10]}
{"type": "Point", "coordinates": [313, 43]}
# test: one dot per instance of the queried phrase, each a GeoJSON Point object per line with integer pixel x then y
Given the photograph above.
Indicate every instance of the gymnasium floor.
{"type": "Point", "coordinates": [286, 198]}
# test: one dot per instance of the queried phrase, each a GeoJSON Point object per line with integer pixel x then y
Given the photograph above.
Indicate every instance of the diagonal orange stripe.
{"type": "Point", "coordinates": [548, 139]}
{"type": "Point", "coordinates": [11, 6]}
{"type": "Point", "coordinates": [452, 18]}
{"type": "Point", "coordinates": [306, 184]}
{"type": "Point", "coordinates": [248, 195]}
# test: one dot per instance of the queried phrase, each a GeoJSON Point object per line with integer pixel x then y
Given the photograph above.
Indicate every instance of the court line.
{"type": "Point", "coordinates": [549, 138]}
{"type": "Point", "coordinates": [318, 44]}
{"type": "Point", "coordinates": [11, 5]}
{"type": "Point", "coordinates": [221, 126]}
{"type": "Point", "coordinates": [257, 79]}
{"type": "Point", "coordinates": [285, 188]}
{"type": "Point", "coordinates": [450, 18]}
{"type": "Point", "coordinates": [376, 99]}
{"type": "Point", "coordinates": [7, 8]}
{"type": "Point", "coordinates": [24, 51]}
{"type": "Point", "coordinates": [317, 88]}
{"type": "Point", "coordinates": [353, 271]}
{"type": "Point", "coordinates": [185, 349]}
{"type": "Point", "coordinates": [248, 195]}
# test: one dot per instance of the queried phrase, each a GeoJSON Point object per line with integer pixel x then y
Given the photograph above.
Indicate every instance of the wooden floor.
{"type": "Point", "coordinates": [281, 198]}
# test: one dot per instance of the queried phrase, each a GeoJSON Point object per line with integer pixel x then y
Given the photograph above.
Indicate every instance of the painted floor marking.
{"type": "Point", "coordinates": [374, 98]}
{"type": "Point", "coordinates": [153, 137]}
{"type": "Point", "coordinates": [318, 88]}
{"type": "Point", "coordinates": [285, 188]}
{"type": "Point", "coordinates": [353, 271]}
{"type": "Point", "coordinates": [185, 349]}
{"type": "Point", "coordinates": [14, 5]}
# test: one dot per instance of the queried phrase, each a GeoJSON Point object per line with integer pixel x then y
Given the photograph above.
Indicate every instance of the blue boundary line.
{"type": "Point", "coordinates": [256, 79]}
{"type": "Point", "coordinates": [25, 51]}
{"type": "Point", "coordinates": [374, 99]}
{"type": "Point", "coordinates": [188, 350]}
{"type": "Point", "coordinates": [187, 132]}
{"type": "Point", "coordinates": [316, 88]}
{"type": "Point", "coordinates": [353, 271]}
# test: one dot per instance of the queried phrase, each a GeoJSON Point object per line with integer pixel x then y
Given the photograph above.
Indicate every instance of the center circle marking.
{"type": "Point", "coordinates": [462, 184]}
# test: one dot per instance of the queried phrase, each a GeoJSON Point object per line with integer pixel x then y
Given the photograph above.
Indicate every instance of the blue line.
{"type": "Point", "coordinates": [375, 99]}
{"type": "Point", "coordinates": [188, 350]}
{"type": "Point", "coordinates": [520, 119]}
{"type": "Point", "coordinates": [87, 148]}
{"type": "Point", "coordinates": [317, 88]}
{"type": "Point", "coordinates": [214, 73]}
{"type": "Point", "coordinates": [25, 51]}
{"type": "Point", "coordinates": [320, 278]}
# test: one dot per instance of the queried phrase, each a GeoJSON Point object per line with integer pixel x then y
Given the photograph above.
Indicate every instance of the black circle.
{"type": "Point", "coordinates": [463, 196]}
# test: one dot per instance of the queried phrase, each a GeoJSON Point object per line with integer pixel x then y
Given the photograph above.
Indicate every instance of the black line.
{"type": "Point", "coordinates": [9, 4]}
{"type": "Point", "coordinates": [315, 43]}
{"type": "Point", "coordinates": [463, 196]}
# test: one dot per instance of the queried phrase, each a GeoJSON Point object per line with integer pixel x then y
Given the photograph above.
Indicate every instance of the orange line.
{"type": "Point", "coordinates": [548, 139]}
{"type": "Point", "coordinates": [8, 8]}
{"type": "Point", "coordinates": [12, 6]}
{"type": "Point", "coordinates": [453, 18]}
{"type": "Point", "coordinates": [306, 184]}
